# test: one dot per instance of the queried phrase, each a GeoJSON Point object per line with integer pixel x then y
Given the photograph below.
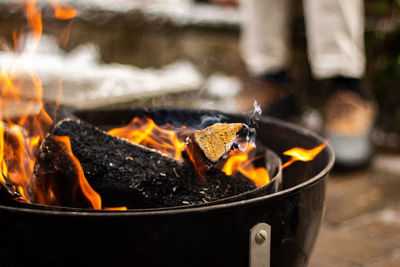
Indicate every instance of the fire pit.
{"type": "Point", "coordinates": [278, 228]}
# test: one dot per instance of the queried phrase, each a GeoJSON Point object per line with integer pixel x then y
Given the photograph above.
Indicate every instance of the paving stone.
{"type": "Point", "coordinates": [392, 260]}
{"type": "Point", "coordinates": [382, 226]}
{"type": "Point", "coordinates": [362, 219]}
{"type": "Point", "coordinates": [360, 241]}
{"type": "Point", "coordinates": [350, 247]}
{"type": "Point", "coordinates": [353, 194]}
{"type": "Point", "coordinates": [322, 259]}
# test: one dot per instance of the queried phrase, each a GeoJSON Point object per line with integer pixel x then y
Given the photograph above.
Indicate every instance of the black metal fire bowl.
{"type": "Point", "coordinates": [215, 235]}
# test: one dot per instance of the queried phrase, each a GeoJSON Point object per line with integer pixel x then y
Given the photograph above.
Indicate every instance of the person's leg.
{"type": "Point", "coordinates": [265, 33]}
{"type": "Point", "coordinates": [335, 39]}
{"type": "Point", "coordinates": [265, 51]}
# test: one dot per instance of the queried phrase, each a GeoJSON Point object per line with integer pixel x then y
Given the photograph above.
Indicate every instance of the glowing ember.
{"type": "Point", "coordinates": [301, 154]}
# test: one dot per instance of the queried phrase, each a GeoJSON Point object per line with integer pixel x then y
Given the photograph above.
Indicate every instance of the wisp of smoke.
{"type": "Point", "coordinates": [208, 120]}
{"type": "Point", "coordinates": [254, 115]}
{"type": "Point", "coordinates": [251, 133]}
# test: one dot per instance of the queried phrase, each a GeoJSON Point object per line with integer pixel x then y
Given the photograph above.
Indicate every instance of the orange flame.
{"type": "Point", "coordinates": [23, 120]}
{"type": "Point", "coordinates": [116, 208]}
{"type": "Point", "coordinates": [64, 11]}
{"type": "Point", "coordinates": [20, 130]}
{"type": "Point", "coordinates": [301, 154]}
{"type": "Point", "coordinates": [87, 190]}
{"type": "Point", "coordinates": [3, 165]}
{"type": "Point", "coordinates": [64, 36]}
{"type": "Point", "coordinates": [145, 132]}
{"type": "Point", "coordinates": [239, 162]}
{"type": "Point", "coordinates": [19, 139]}
{"type": "Point", "coordinates": [34, 17]}
{"type": "Point", "coordinates": [169, 140]}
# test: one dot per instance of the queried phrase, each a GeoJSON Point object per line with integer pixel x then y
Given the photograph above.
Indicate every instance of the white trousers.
{"type": "Point", "coordinates": [334, 30]}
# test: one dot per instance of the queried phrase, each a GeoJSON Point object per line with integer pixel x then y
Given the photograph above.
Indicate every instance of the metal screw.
{"type": "Point", "coordinates": [261, 236]}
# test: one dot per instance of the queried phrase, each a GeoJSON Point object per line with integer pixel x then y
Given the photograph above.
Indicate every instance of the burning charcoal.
{"type": "Point", "coordinates": [123, 173]}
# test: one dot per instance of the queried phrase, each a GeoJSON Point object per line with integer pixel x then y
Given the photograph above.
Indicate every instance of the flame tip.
{"type": "Point", "coordinates": [302, 154]}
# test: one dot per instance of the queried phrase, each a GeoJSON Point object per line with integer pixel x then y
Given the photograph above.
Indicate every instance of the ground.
{"type": "Point", "coordinates": [361, 225]}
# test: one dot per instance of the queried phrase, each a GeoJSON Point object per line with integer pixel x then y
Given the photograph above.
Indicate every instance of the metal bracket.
{"type": "Point", "coordinates": [260, 245]}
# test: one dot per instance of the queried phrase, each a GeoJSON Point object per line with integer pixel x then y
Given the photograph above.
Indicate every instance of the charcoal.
{"type": "Point", "coordinates": [123, 173]}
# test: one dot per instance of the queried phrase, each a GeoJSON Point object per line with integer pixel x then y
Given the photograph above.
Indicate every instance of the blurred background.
{"type": "Point", "coordinates": [154, 34]}
{"type": "Point", "coordinates": [164, 52]}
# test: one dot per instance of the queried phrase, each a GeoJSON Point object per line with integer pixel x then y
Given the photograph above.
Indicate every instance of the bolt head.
{"type": "Point", "coordinates": [261, 236]}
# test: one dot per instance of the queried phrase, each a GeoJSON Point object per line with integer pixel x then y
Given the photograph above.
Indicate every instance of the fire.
{"type": "Point", "coordinates": [64, 11]}
{"type": "Point", "coordinates": [87, 190]}
{"type": "Point", "coordinates": [24, 121]}
{"type": "Point", "coordinates": [239, 162]}
{"type": "Point", "coordinates": [145, 132]}
{"type": "Point", "coordinates": [116, 208]}
{"type": "Point", "coordinates": [20, 137]}
{"type": "Point", "coordinates": [301, 154]}
{"type": "Point", "coordinates": [17, 157]}
{"type": "Point", "coordinates": [34, 17]}
{"type": "Point", "coordinates": [170, 140]}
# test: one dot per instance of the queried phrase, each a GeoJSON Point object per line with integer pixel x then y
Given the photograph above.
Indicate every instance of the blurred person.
{"type": "Point", "coordinates": [335, 44]}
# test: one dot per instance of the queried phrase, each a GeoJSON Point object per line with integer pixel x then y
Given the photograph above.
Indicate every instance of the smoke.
{"type": "Point", "coordinates": [208, 120]}
{"type": "Point", "coordinates": [254, 115]}
{"type": "Point", "coordinates": [250, 128]}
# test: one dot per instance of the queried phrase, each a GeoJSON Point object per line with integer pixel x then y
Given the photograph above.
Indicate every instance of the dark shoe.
{"type": "Point", "coordinates": [348, 126]}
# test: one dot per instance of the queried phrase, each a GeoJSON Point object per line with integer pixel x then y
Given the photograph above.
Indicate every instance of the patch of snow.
{"type": "Point", "coordinates": [88, 83]}
{"type": "Point", "coordinates": [179, 12]}
{"type": "Point", "coordinates": [223, 86]}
